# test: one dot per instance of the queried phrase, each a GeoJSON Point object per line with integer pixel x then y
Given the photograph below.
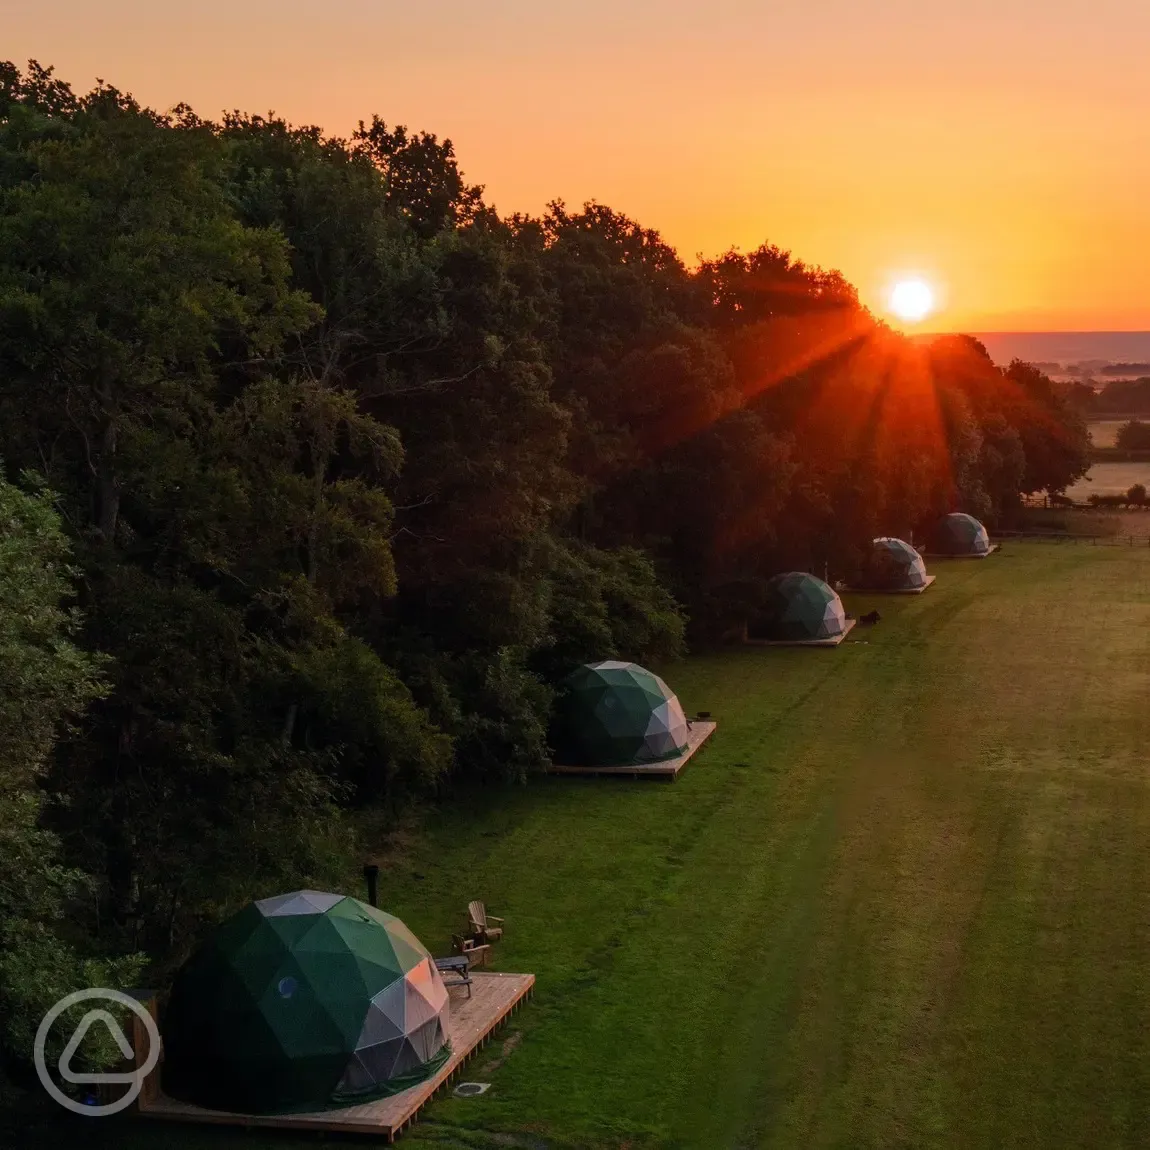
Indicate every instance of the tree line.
{"type": "Point", "coordinates": [318, 473]}
{"type": "Point", "coordinates": [1117, 397]}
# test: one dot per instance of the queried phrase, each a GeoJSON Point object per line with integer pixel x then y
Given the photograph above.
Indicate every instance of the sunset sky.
{"type": "Point", "coordinates": [1000, 149]}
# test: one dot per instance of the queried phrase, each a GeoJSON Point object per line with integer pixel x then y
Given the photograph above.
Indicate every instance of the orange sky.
{"type": "Point", "coordinates": [1001, 148]}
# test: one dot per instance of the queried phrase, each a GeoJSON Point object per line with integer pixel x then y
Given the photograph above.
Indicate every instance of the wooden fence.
{"type": "Point", "coordinates": [1074, 537]}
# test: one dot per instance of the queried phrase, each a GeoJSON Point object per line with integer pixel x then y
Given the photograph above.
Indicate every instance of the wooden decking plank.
{"type": "Point", "coordinates": [699, 733]}
{"type": "Point", "coordinates": [494, 996]}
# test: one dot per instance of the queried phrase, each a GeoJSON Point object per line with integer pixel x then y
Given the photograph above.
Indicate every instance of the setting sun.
{"type": "Point", "coordinates": [911, 300]}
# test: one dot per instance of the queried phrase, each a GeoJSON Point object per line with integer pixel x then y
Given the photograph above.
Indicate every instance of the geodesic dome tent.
{"type": "Point", "coordinates": [893, 565]}
{"type": "Point", "coordinates": [959, 534]}
{"type": "Point", "coordinates": [796, 608]}
{"type": "Point", "coordinates": [616, 714]}
{"type": "Point", "coordinates": [304, 1002]}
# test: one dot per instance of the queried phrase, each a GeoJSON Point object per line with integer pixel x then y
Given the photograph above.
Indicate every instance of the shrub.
{"type": "Point", "coordinates": [1133, 436]}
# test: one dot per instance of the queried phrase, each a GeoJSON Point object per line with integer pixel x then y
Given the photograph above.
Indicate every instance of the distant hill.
{"type": "Point", "coordinates": [1130, 370]}
{"type": "Point", "coordinates": [1098, 351]}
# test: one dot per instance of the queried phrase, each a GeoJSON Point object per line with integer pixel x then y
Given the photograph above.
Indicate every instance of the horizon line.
{"type": "Point", "coordinates": [1037, 331]}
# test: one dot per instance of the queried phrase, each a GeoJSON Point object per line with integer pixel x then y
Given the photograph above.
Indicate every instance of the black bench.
{"type": "Point", "coordinates": [456, 965]}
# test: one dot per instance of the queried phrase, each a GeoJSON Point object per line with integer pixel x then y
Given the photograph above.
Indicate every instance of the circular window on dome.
{"type": "Point", "coordinates": [287, 987]}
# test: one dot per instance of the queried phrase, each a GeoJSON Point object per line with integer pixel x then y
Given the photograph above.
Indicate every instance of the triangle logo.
{"type": "Point", "coordinates": [113, 1027]}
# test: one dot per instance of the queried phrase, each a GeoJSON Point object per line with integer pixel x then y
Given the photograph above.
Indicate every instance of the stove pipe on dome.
{"type": "Point", "coordinates": [371, 873]}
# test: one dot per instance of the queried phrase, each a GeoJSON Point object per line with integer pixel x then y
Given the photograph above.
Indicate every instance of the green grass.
{"type": "Point", "coordinates": [902, 899]}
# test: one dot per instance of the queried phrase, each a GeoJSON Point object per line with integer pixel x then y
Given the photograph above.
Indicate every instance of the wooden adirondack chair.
{"type": "Point", "coordinates": [476, 953]}
{"type": "Point", "coordinates": [481, 922]}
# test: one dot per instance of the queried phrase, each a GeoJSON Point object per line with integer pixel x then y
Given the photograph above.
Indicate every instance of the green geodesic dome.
{"type": "Point", "coordinates": [304, 1002]}
{"type": "Point", "coordinates": [959, 534]}
{"type": "Point", "coordinates": [616, 714]}
{"type": "Point", "coordinates": [893, 565]}
{"type": "Point", "coordinates": [798, 607]}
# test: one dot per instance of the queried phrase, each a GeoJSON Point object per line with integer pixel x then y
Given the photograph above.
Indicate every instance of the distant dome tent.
{"type": "Point", "coordinates": [617, 714]}
{"type": "Point", "coordinates": [893, 565]}
{"type": "Point", "coordinates": [303, 1002]}
{"type": "Point", "coordinates": [799, 608]}
{"type": "Point", "coordinates": [959, 535]}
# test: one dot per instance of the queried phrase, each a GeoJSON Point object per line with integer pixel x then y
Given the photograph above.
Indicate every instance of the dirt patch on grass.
{"type": "Point", "coordinates": [505, 1049]}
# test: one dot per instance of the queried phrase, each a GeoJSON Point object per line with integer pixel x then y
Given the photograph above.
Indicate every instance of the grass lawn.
{"type": "Point", "coordinates": [901, 899]}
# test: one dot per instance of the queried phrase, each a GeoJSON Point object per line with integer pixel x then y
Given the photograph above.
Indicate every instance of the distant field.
{"type": "Point", "coordinates": [1110, 479]}
{"type": "Point", "coordinates": [1103, 432]}
{"type": "Point", "coordinates": [899, 901]}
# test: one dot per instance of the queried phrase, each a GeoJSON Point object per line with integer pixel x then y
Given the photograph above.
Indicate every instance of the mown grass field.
{"type": "Point", "coordinates": [902, 899]}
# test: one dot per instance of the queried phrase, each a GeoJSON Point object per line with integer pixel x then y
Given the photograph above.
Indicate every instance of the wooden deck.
{"type": "Point", "coordinates": [804, 642]}
{"type": "Point", "coordinates": [667, 769]}
{"type": "Point", "coordinates": [892, 590]}
{"type": "Point", "coordinates": [494, 996]}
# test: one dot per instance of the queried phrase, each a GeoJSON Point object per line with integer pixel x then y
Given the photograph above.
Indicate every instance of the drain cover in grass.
{"type": "Point", "coordinates": [471, 1089]}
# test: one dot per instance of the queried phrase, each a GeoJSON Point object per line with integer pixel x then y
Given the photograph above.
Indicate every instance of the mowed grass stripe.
{"type": "Point", "coordinates": [942, 871]}
{"type": "Point", "coordinates": [902, 899]}
{"type": "Point", "coordinates": [633, 1039]}
{"type": "Point", "coordinates": [1054, 1017]}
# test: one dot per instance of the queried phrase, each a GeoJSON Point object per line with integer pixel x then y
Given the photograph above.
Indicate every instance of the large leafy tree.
{"type": "Point", "coordinates": [1034, 440]}
{"type": "Point", "coordinates": [441, 322]}
{"type": "Point", "coordinates": [421, 176]}
{"type": "Point", "coordinates": [46, 686]}
{"type": "Point", "coordinates": [228, 512]}
{"type": "Point", "coordinates": [1052, 433]}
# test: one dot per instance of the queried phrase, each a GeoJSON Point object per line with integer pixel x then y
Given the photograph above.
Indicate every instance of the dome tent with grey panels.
{"type": "Point", "coordinates": [892, 566]}
{"type": "Point", "coordinates": [616, 718]}
{"type": "Point", "coordinates": [614, 713]}
{"type": "Point", "coordinates": [304, 1001]}
{"type": "Point", "coordinates": [799, 609]}
{"type": "Point", "coordinates": [959, 536]}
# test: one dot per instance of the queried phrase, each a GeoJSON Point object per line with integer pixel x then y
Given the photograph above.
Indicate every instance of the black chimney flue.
{"type": "Point", "coordinates": [371, 873]}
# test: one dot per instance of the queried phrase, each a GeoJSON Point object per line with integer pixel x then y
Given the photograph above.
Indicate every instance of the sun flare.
{"type": "Point", "coordinates": [911, 300]}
